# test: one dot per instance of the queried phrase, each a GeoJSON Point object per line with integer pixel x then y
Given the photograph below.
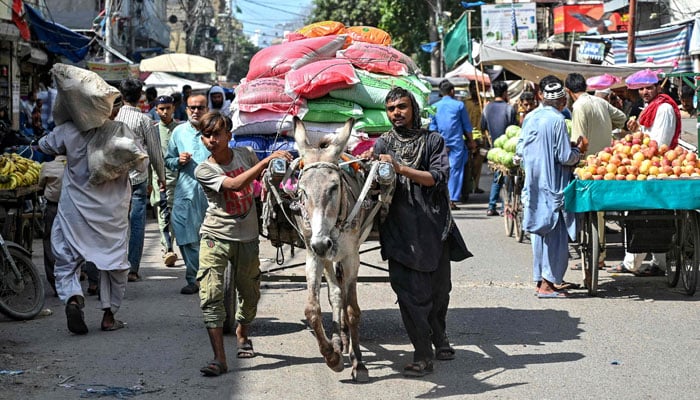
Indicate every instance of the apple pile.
{"type": "Point", "coordinates": [636, 157]}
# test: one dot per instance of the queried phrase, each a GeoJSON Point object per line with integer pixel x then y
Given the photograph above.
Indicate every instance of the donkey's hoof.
{"type": "Point", "coordinates": [335, 362]}
{"type": "Point", "coordinates": [360, 374]}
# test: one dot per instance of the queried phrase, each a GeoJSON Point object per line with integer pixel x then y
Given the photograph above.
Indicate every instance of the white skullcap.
{"type": "Point", "coordinates": [553, 91]}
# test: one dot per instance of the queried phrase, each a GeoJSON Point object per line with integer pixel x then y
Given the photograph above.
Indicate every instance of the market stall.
{"type": "Point", "coordinates": [657, 216]}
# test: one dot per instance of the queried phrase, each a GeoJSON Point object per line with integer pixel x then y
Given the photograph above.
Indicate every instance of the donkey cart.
{"type": "Point", "coordinates": [657, 216]}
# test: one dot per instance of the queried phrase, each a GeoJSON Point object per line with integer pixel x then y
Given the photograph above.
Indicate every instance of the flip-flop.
{"type": "Point", "coordinates": [115, 326]}
{"type": "Point", "coordinates": [76, 320]}
{"type": "Point", "coordinates": [245, 350]}
{"type": "Point", "coordinates": [213, 368]}
{"type": "Point", "coordinates": [618, 269]}
{"type": "Point", "coordinates": [553, 295]}
{"type": "Point", "coordinates": [567, 286]}
{"type": "Point", "coordinates": [418, 369]}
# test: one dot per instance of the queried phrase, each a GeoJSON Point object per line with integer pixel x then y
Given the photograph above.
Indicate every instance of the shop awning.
{"type": "Point", "coordinates": [57, 38]}
{"type": "Point", "coordinates": [179, 63]}
{"type": "Point", "coordinates": [533, 67]}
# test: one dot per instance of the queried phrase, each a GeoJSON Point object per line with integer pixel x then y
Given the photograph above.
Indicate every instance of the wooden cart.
{"type": "Point", "coordinates": [16, 220]}
{"type": "Point", "coordinates": [659, 216]}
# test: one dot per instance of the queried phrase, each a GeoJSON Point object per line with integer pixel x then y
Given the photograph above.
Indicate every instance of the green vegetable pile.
{"type": "Point", "coordinates": [504, 147]}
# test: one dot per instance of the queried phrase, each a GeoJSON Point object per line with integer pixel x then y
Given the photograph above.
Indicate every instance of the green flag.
{"type": "Point", "coordinates": [457, 43]}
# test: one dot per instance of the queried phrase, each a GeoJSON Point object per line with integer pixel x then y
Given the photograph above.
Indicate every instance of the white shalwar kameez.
{"type": "Point", "coordinates": [92, 221]}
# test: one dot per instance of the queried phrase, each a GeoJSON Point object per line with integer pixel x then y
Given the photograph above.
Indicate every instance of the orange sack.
{"type": "Point", "coordinates": [323, 28]}
{"type": "Point", "coordinates": [368, 34]}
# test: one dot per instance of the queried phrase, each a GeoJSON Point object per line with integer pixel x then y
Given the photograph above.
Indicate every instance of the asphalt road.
{"type": "Point", "coordinates": [637, 340]}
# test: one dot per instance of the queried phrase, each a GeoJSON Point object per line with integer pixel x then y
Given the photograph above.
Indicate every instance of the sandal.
{"type": "Point", "coordinates": [619, 269]}
{"type": "Point", "coordinates": [115, 326]}
{"type": "Point", "coordinates": [445, 353]}
{"type": "Point", "coordinates": [76, 319]}
{"type": "Point", "coordinates": [566, 286]}
{"type": "Point", "coordinates": [213, 368]}
{"type": "Point", "coordinates": [245, 350]}
{"type": "Point", "coordinates": [418, 369]}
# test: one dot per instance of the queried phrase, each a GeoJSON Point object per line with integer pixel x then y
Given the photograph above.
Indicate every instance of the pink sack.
{"type": "Point", "coordinates": [602, 82]}
{"type": "Point", "coordinates": [643, 78]}
{"type": "Point", "coordinates": [318, 78]}
{"type": "Point", "coordinates": [278, 59]}
{"type": "Point", "coordinates": [266, 94]}
{"type": "Point", "coordinates": [378, 58]}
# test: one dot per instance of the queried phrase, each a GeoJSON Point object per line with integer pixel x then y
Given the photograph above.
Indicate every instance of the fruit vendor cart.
{"type": "Point", "coordinates": [513, 179]}
{"type": "Point", "coordinates": [16, 217]}
{"type": "Point", "coordinates": [659, 216]}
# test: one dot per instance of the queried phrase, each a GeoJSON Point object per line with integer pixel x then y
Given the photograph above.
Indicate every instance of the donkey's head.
{"type": "Point", "coordinates": [321, 187]}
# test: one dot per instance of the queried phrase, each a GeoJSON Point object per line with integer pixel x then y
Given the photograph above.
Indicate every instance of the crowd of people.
{"type": "Point", "coordinates": [203, 193]}
{"type": "Point", "coordinates": [596, 117]}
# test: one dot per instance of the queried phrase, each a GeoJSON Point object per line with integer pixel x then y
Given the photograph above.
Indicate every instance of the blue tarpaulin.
{"type": "Point", "coordinates": [657, 194]}
{"type": "Point", "coordinates": [57, 38]}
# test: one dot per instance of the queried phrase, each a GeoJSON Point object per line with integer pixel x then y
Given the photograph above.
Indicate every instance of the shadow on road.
{"type": "Point", "coordinates": [488, 342]}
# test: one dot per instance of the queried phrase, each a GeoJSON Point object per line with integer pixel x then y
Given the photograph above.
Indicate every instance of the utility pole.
{"type": "Point", "coordinates": [631, 32]}
{"type": "Point", "coordinates": [433, 37]}
{"type": "Point", "coordinates": [441, 36]}
{"type": "Point", "coordinates": [108, 31]}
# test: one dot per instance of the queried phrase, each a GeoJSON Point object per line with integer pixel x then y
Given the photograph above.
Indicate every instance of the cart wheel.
{"type": "Point", "coordinates": [590, 251]}
{"type": "Point", "coordinates": [518, 218]}
{"type": "Point", "coordinates": [506, 196]}
{"type": "Point", "coordinates": [673, 257]}
{"type": "Point", "coordinates": [690, 253]}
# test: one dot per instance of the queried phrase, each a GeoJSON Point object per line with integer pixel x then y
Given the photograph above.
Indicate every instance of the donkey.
{"type": "Point", "coordinates": [326, 196]}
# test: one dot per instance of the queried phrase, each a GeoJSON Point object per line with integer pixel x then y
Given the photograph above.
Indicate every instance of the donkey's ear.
{"type": "Point", "coordinates": [341, 140]}
{"type": "Point", "coordinates": [300, 135]}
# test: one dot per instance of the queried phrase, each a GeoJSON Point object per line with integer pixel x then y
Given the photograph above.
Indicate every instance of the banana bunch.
{"type": "Point", "coordinates": [17, 171]}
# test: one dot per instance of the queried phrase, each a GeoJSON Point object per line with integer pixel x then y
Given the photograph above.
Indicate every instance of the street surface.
{"type": "Point", "coordinates": [637, 340]}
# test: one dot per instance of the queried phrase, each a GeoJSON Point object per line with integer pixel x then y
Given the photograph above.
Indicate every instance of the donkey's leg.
{"type": "Point", "coordinates": [344, 330]}
{"type": "Point", "coordinates": [335, 297]}
{"type": "Point", "coordinates": [343, 318]}
{"type": "Point", "coordinates": [352, 309]}
{"type": "Point", "coordinates": [314, 269]}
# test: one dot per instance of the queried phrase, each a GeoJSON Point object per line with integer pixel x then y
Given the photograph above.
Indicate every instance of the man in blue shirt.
{"type": "Point", "coordinates": [497, 116]}
{"type": "Point", "coordinates": [452, 122]}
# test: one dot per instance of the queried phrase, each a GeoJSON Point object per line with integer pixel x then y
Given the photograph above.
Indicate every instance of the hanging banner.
{"type": "Point", "coordinates": [511, 26]}
{"type": "Point", "coordinates": [587, 18]}
{"type": "Point", "coordinates": [113, 71]}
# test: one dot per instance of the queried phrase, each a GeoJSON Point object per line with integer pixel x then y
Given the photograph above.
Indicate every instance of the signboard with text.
{"type": "Point", "coordinates": [6, 10]}
{"type": "Point", "coordinates": [511, 26]}
{"type": "Point", "coordinates": [587, 18]}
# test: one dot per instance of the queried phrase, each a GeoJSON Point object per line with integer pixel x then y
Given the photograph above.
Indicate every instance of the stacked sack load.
{"type": "Point", "coordinates": [324, 73]}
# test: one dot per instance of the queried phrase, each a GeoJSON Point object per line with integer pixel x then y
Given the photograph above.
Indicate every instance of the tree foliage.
{"type": "Point", "coordinates": [408, 22]}
{"type": "Point", "coordinates": [244, 50]}
{"type": "Point", "coordinates": [349, 12]}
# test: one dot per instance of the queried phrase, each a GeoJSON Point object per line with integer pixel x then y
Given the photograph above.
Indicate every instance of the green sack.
{"type": "Point", "coordinates": [328, 109]}
{"type": "Point", "coordinates": [372, 90]}
{"type": "Point", "coordinates": [374, 120]}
